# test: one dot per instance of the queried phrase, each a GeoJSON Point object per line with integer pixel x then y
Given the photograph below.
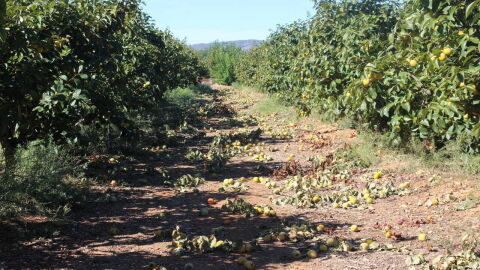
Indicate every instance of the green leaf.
{"type": "Point", "coordinates": [406, 106]}
{"type": "Point", "coordinates": [470, 8]}
{"type": "Point", "coordinates": [476, 131]}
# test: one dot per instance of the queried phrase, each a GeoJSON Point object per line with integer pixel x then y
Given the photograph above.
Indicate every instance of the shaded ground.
{"type": "Point", "coordinates": [88, 242]}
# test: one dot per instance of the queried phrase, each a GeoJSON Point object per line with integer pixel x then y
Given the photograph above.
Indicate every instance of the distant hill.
{"type": "Point", "coordinates": [242, 44]}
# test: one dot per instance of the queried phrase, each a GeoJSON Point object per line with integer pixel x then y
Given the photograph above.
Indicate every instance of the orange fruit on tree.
{"type": "Point", "coordinates": [442, 57]}
{"type": "Point", "coordinates": [366, 82]}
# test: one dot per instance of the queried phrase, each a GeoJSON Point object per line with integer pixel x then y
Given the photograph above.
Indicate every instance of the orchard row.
{"type": "Point", "coordinates": [72, 66]}
{"type": "Point", "coordinates": [407, 68]}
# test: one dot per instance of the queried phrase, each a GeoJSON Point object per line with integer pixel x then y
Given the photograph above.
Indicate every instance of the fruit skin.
{"type": "Point", "coordinates": [447, 51]}
{"type": "Point", "coordinates": [352, 200]}
{"type": "Point", "coordinates": [316, 199]}
{"type": "Point", "coordinates": [259, 210]}
{"type": "Point", "coordinates": [249, 265]}
{"type": "Point", "coordinates": [377, 175]}
{"type": "Point", "coordinates": [442, 57]}
{"type": "Point", "coordinates": [404, 185]}
{"type": "Point", "coordinates": [296, 254]}
{"type": "Point", "coordinates": [211, 201]}
{"type": "Point", "coordinates": [347, 246]}
{"type": "Point", "coordinates": [422, 237]}
{"type": "Point", "coordinates": [114, 183]}
{"type": "Point", "coordinates": [354, 228]}
{"type": "Point", "coordinates": [388, 234]}
{"type": "Point", "coordinates": [312, 254]}
{"type": "Point", "coordinates": [228, 182]}
{"type": "Point", "coordinates": [413, 63]}
{"type": "Point", "coordinates": [241, 260]}
{"type": "Point", "coordinates": [272, 213]}
{"type": "Point", "coordinates": [336, 205]}
{"type": "Point", "coordinates": [364, 246]}
{"type": "Point", "coordinates": [366, 83]}
{"type": "Point", "coordinates": [332, 242]}
{"type": "Point", "coordinates": [373, 245]}
{"type": "Point", "coordinates": [323, 248]}
{"type": "Point", "coordinates": [320, 228]}
{"type": "Point", "coordinates": [282, 236]}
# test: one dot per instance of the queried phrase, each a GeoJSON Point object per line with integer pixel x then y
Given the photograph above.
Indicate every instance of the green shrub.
{"type": "Point", "coordinates": [221, 61]}
{"type": "Point", "coordinates": [182, 97]}
{"type": "Point", "coordinates": [43, 181]}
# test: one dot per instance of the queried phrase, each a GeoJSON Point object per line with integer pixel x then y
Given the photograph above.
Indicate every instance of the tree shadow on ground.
{"type": "Point", "coordinates": [120, 234]}
{"type": "Point", "coordinates": [88, 242]}
{"type": "Point", "coordinates": [93, 233]}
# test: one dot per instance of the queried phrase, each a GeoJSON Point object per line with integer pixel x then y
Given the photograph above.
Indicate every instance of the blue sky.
{"type": "Point", "coordinates": [202, 21]}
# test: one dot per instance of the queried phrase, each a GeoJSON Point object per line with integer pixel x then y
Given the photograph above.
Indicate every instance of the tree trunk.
{"type": "Point", "coordinates": [9, 155]}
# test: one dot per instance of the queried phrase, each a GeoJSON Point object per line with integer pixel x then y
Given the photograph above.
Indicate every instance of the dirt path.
{"type": "Point", "coordinates": [124, 232]}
